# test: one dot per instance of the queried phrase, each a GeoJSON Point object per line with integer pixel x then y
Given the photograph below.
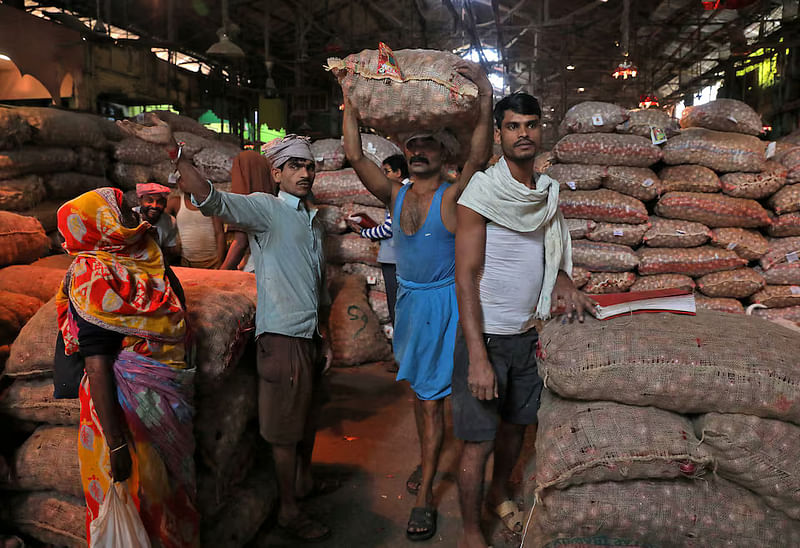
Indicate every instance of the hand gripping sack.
{"type": "Point", "coordinates": [118, 523]}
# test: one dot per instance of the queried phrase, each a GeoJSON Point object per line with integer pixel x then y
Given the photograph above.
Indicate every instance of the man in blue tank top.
{"type": "Point", "coordinates": [426, 313]}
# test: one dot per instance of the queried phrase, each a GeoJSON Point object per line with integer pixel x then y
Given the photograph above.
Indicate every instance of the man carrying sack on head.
{"type": "Point", "coordinates": [286, 243]}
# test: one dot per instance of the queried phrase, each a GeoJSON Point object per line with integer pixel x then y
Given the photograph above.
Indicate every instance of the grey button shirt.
{"type": "Point", "coordinates": [286, 244]}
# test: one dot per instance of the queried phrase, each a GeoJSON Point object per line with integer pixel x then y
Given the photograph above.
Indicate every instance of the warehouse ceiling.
{"type": "Point", "coordinates": [675, 44]}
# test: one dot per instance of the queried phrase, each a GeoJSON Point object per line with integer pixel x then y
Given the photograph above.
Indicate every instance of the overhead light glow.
{"type": "Point", "coordinates": [570, 67]}
{"type": "Point", "coordinates": [581, 90]}
{"type": "Point", "coordinates": [4, 57]}
{"type": "Point", "coordinates": [497, 81]}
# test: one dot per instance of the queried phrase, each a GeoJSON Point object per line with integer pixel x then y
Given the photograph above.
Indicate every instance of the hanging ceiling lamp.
{"type": "Point", "coordinates": [224, 46]}
{"type": "Point", "coordinates": [648, 101]}
{"type": "Point", "coordinates": [625, 69]}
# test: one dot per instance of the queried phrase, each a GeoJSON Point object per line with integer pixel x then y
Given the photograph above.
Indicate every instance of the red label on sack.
{"type": "Point", "coordinates": [387, 64]}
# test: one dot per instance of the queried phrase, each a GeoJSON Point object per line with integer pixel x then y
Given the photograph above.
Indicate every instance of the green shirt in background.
{"type": "Point", "coordinates": [286, 243]}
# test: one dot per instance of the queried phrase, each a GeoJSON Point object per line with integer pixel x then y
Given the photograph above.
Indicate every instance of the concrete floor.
{"type": "Point", "coordinates": [368, 440]}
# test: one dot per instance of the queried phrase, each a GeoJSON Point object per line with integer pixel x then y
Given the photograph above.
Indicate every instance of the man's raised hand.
{"type": "Point", "coordinates": [475, 73]}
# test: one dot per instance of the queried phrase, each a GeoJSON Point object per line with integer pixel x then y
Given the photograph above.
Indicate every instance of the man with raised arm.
{"type": "Point", "coordinates": [513, 267]}
{"type": "Point", "coordinates": [426, 313]}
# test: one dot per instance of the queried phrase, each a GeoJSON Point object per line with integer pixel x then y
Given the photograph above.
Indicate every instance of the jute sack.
{"type": "Point", "coordinates": [579, 229]}
{"type": "Point", "coordinates": [377, 149]}
{"type": "Point", "coordinates": [791, 313]}
{"type": "Point", "coordinates": [21, 193]}
{"type": "Point", "coordinates": [33, 350]}
{"type": "Point", "coordinates": [607, 149]}
{"type": "Point", "coordinates": [32, 400]}
{"type": "Point", "coordinates": [49, 460]}
{"type": "Point", "coordinates": [643, 120]}
{"type": "Point", "coordinates": [135, 151]}
{"type": "Point", "coordinates": [714, 210]}
{"type": "Point", "coordinates": [222, 416]}
{"type": "Point", "coordinates": [328, 154]}
{"type": "Point", "coordinates": [640, 182]}
{"type": "Point", "coordinates": [593, 117]}
{"type": "Point", "coordinates": [356, 334]}
{"type": "Point", "coordinates": [350, 248]}
{"type": "Point", "coordinates": [66, 186]}
{"type": "Point", "coordinates": [214, 487]}
{"type": "Point", "coordinates": [602, 206]}
{"type": "Point", "coordinates": [609, 282]}
{"type": "Point", "coordinates": [716, 150]}
{"type": "Point", "coordinates": [687, 364]}
{"type": "Point", "coordinates": [737, 284]}
{"type": "Point", "coordinates": [785, 225]}
{"type": "Point", "coordinates": [603, 257]}
{"type": "Point", "coordinates": [22, 239]}
{"type": "Point", "coordinates": [577, 176]}
{"type": "Point", "coordinates": [379, 305]}
{"type": "Point", "coordinates": [55, 127]}
{"type": "Point", "coordinates": [777, 296]}
{"type": "Point", "coordinates": [332, 219]}
{"type": "Point", "coordinates": [786, 200]}
{"type": "Point", "coordinates": [236, 281]}
{"type": "Point", "coordinates": [748, 244]}
{"type": "Point", "coordinates": [617, 233]}
{"type": "Point", "coordinates": [675, 233]}
{"type": "Point", "coordinates": [92, 161]}
{"type": "Point", "coordinates": [694, 261]}
{"type": "Point", "coordinates": [782, 274]}
{"type": "Point", "coordinates": [755, 185]}
{"type": "Point", "coordinates": [663, 513]}
{"type": "Point", "coordinates": [216, 161]}
{"type": "Point", "coordinates": [179, 123]}
{"type": "Point", "coordinates": [781, 250]}
{"type": "Point", "coordinates": [46, 213]}
{"type": "Point", "coordinates": [15, 311]}
{"type": "Point", "coordinates": [342, 187]}
{"type": "Point", "coordinates": [580, 276]}
{"type": "Point", "coordinates": [373, 275]}
{"type": "Point", "coordinates": [14, 128]}
{"type": "Point", "coordinates": [49, 517]}
{"type": "Point", "coordinates": [35, 281]}
{"type": "Point", "coordinates": [593, 441]}
{"type": "Point", "coordinates": [192, 144]}
{"type": "Point", "coordinates": [127, 176]}
{"type": "Point", "coordinates": [759, 454]}
{"type": "Point", "coordinates": [424, 93]}
{"type": "Point", "coordinates": [689, 179]}
{"type": "Point", "coordinates": [30, 159]}
{"type": "Point", "coordinates": [718, 304]}
{"type": "Point", "coordinates": [663, 281]}
{"type": "Point", "coordinates": [723, 115]}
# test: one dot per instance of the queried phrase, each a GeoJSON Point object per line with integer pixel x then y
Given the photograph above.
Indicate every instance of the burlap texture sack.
{"type": "Point", "coordinates": [55, 127]}
{"type": "Point", "coordinates": [30, 159]}
{"type": "Point", "coordinates": [694, 261]}
{"type": "Point", "coordinates": [675, 233]}
{"type": "Point", "coordinates": [216, 161]}
{"type": "Point", "coordinates": [640, 182]}
{"type": "Point", "coordinates": [686, 364]}
{"type": "Point", "coordinates": [782, 274]}
{"type": "Point", "coordinates": [14, 128]}
{"type": "Point", "coordinates": [777, 296]}
{"type": "Point", "coordinates": [22, 239]}
{"type": "Point", "coordinates": [379, 305]}
{"type": "Point", "coordinates": [328, 154]}
{"type": "Point", "coordinates": [342, 187]}
{"type": "Point", "coordinates": [781, 250]}
{"type": "Point", "coordinates": [758, 454]}
{"type": "Point", "coordinates": [724, 152]}
{"type": "Point", "coordinates": [350, 248]}
{"type": "Point", "coordinates": [32, 400]}
{"type": "Point", "coordinates": [179, 123]}
{"type": "Point", "coordinates": [663, 281]}
{"type": "Point", "coordinates": [609, 282]}
{"type": "Point", "coordinates": [786, 200]}
{"type": "Point", "coordinates": [607, 149]}
{"type": "Point", "coordinates": [790, 159]}
{"type": "Point", "coordinates": [580, 276]}
{"type": "Point", "coordinates": [723, 115]}
{"type": "Point", "coordinates": [619, 233]}
{"type": "Point", "coordinates": [49, 517]}
{"type": "Point", "coordinates": [356, 334]}
{"type": "Point", "coordinates": [748, 244]}
{"type": "Point", "coordinates": [49, 460]}
{"type": "Point", "coordinates": [663, 513]}
{"type": "Point", "coordinates": [332, 219]}
{"type": "Point", "coordinates": [594, 441]}
{"type": "Point", "coordinates": [431, 95]}
{"type": "Point", "coordinates": [214, 487]}
{"type": "Point", "coordinates": [593, 117]}
{"type": "Point", "coordinates": [643, 120]}
{"type": "Point", "coordinates": [33, 349]}
{"type": "Point", "coordinates": [192, 143]}
{"type": "Point", "coordinates": [21, 193]}
{"type": "Point", "coordinates": [712, 210]}
{"type": "Point", "coordinates": [135, 151]}
{"type": "Point", "coordinates": [15, 311]}
{"type": "Point", "coordinates": [127, 176]}
{"type": "Point", "coordinates": [35, 281]}
{"type": "Point", "coordinates": [737, 284]}
{"type": "Point", "coordinates": [791, 313]}
{"type": "Point", "coordinates": [577, 176]}
{"type": "Point", "coordinates": [785, 225]}
{"type": "Point", "coordinates": [689, 179]}
{"type": "Point", "coordinates": [69, 185]}
{"type": "Point", "coordinates": [47, 214]}
{"type": "Point", "coordinates": [377, 149]}
{"type": "Point", "coordinates": [580, 228]}
{"type": "Point", "coordinates": [718, 304]}
{"type": "Point", "coordinates": [372, 274]}
{"type": "Point", "coordinates": [602, 206]}
{"type": "Point", "coordinates": [603, 257]}
{"type": "Point", "coordinates": [755, 185]}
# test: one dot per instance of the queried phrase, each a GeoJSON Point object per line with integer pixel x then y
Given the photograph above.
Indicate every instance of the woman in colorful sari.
{"type": "Point", "coordinates": [119, 310]}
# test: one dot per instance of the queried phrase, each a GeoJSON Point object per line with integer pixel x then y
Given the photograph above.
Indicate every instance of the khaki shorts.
{"type": "Point", "coordinates": [290, 372]}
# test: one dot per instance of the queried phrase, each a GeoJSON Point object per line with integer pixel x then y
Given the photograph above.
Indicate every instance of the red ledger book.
{"type": "Point", "coordinates": [678, 301]}
{"type": "Point", "coordinates": [362, 219]}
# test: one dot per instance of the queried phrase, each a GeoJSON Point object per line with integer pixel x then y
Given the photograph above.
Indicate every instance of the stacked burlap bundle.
{"type": "Point", "coordinates": [638, 412]}
{"type": "Point", "coordinates": [44, 493]}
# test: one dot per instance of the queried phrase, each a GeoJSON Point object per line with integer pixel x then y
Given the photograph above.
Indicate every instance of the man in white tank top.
{"type": "Point", "coordinates": [513, 266]}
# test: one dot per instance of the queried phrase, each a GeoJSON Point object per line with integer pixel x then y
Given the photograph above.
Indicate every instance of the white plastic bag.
{"type": "Point", "coordinates": [118, 524]}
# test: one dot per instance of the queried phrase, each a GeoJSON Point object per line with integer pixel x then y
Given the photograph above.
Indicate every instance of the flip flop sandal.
{"type": "Point", "coordinates": [511, 515]}
{"type": "Point", "coordinates": [302, 528]}
{"type": "Point", "coordinates": [424, 519]}
{"type": "Point", "coordinates": [414, 479]}
{"type": "Point", "coordinates": [322, 487]}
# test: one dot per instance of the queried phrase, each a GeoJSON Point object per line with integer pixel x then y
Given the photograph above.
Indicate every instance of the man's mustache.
{"type": "Point", "coordinates": [152, 209]}
{"type": "Point", "coordinates": [524, 141]}
{"type": "Point", "coordinates": [422, 159]}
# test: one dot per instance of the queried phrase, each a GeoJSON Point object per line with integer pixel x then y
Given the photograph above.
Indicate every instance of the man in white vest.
{"type": "Point", "coordinates": [513, 267]}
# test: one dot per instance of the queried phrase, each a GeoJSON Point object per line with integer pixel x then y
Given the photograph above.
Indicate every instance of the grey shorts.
{"type": "Point", "coordinates": [519, 386]}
